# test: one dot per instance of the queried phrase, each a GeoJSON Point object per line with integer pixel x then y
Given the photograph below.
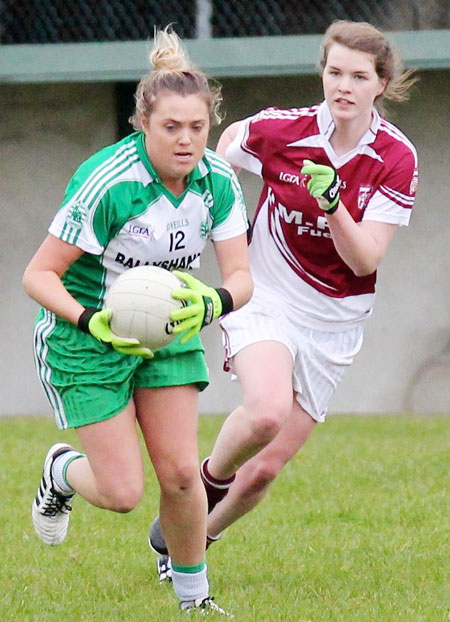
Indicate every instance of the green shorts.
{"type": "Point", "coordinates": [87, 381]}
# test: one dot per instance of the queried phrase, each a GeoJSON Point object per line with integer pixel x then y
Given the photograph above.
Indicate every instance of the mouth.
{"type": "Point", "coordinates": [183, 156]}
{"type": "Point", "coordinates": [341, 101]}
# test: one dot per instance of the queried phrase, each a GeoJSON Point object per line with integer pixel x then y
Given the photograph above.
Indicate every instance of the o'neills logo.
{"type": "Point", "coordinates": [333, 190]}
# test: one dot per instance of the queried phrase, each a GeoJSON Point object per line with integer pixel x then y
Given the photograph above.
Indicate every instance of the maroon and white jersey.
{"type": "Point", "coordinates": [293, 256]}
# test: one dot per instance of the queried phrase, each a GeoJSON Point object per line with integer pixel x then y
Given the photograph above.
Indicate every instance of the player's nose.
{"type": "Point", "coordinates": [344, 84]}
{"type": "Point", "coordinates": [184, 137]}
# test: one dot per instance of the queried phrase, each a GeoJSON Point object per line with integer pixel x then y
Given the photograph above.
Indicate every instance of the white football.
{"type": "Point", "coordinates": [141, 303]}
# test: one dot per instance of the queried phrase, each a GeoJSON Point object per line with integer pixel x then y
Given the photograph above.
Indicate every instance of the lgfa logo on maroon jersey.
{"type": "Point", "coordinates": [364, 196]}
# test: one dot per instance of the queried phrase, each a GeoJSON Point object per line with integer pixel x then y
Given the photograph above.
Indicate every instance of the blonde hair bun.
{"type": "Point", "coordinates": [168, 53]}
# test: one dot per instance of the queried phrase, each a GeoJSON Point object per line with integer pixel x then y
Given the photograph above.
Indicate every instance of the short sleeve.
{"type": "Point", "coordinates": [83, 218]}
{"type": "Point", "coordinates": [227, 205]}
{"type": "Point", "coordinates": [252, 143]}
{"type": "Point", "coordinates": [394, 198]}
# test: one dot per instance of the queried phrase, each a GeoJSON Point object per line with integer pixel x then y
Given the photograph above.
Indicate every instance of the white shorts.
{"type": "Point", "coordinates": [319, 357]}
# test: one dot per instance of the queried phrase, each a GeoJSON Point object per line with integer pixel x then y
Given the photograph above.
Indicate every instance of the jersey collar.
{"type": "Point", "coordinates": [200, 171]}
{"type": "Point", "coordinates": [326, 124]}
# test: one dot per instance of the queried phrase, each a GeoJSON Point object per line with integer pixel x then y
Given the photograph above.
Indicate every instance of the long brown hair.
{"type": "Point", "coordinates": [364, 37]}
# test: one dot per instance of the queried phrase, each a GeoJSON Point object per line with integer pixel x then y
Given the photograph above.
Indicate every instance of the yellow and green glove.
{"type": "Point", "coordinates": [97, 324]}
{"type": "Point", "coordinates": [323, 186]}
{"type": "Point", "coordinates": [204, 304]}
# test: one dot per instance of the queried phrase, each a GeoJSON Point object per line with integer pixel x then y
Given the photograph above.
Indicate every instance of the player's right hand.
{"type": "Point", "coordinates": [97, 324]}
{"type": "Point", "coordinates": [323, 185]}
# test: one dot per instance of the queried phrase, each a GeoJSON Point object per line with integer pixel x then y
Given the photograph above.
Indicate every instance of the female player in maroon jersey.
{"type": "Point", "coordinates": [338, 180]}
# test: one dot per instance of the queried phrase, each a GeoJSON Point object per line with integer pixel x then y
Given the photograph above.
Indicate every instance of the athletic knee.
{"type": "Point", "coordinates": [264, 474]}
{"type": "Point", "coordinates": [122, 498]}
{"type": "Point", "coordinates": [266, 417]}
{"type": "Point", "coordinates": [180, 478]}
{"type": "Point", "coordinates": [259, 475]}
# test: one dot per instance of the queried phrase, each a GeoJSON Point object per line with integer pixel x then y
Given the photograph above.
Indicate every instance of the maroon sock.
{"type": "Point", "coordinates": [216, 489]}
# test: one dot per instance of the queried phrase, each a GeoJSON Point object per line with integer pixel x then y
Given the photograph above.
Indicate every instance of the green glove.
{"type": "Point", "coordinates": [204, 305]}
{"type": "Point", "coordinates": [323, 186]}
{"type": "Point", "coordinates": [97, 324]}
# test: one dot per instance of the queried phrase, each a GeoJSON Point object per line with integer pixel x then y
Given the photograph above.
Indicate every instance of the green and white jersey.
{"type": "Point", "coordinates": [117, 210]}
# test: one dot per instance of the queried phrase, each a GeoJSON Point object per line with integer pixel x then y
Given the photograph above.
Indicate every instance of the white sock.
{"type": "Point", "coordinates": [190, 585]}
{"type": "Point", "coordinates": [59, 468]}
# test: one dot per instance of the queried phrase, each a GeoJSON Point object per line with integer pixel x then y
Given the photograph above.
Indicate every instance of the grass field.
{"type": "Point", "coordinates": [355, 529]}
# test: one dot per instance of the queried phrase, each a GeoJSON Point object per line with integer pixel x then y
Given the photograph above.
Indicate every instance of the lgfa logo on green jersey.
{"type": "Point", "coordinates": [77, 214]}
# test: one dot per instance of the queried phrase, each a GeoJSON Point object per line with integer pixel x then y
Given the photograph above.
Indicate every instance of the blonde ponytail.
{"type": "Point", "coordinates": [168, 54]}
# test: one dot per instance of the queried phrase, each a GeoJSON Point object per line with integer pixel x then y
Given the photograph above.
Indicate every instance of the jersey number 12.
{"type": "Point", "coordinates": [176, 241]}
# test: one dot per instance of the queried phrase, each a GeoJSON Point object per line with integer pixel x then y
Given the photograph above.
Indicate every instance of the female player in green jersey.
{"type": "Point", "coordinates": [155, 197]}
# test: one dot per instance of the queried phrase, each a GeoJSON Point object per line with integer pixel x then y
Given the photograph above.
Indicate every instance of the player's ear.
{"type": "Point", "coordinates": [382, 84]}
{"type": "Point", "coordinates": [144, 123]}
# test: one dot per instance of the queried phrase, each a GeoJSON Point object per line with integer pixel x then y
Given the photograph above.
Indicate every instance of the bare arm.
{"type": "Point", "coordinates": [361, 245]}
{"type": "Point", "coordinates": [232, 258]}
{"type": "Point", "coordinates": [42, 278]}
{"type": "Point", "coordinates": [227, 136]}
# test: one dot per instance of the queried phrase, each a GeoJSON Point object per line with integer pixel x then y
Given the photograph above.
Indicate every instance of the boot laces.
{"type": "Point", "coordinates": [56, 504]}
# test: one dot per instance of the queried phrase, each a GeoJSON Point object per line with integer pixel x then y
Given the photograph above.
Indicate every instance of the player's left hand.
{"type": "Point", "coordinates": [323, 186]}
{"type": "Point", "coordinates": [97, 323]}
{"type": "Point", "coordinates": [204, 305]}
